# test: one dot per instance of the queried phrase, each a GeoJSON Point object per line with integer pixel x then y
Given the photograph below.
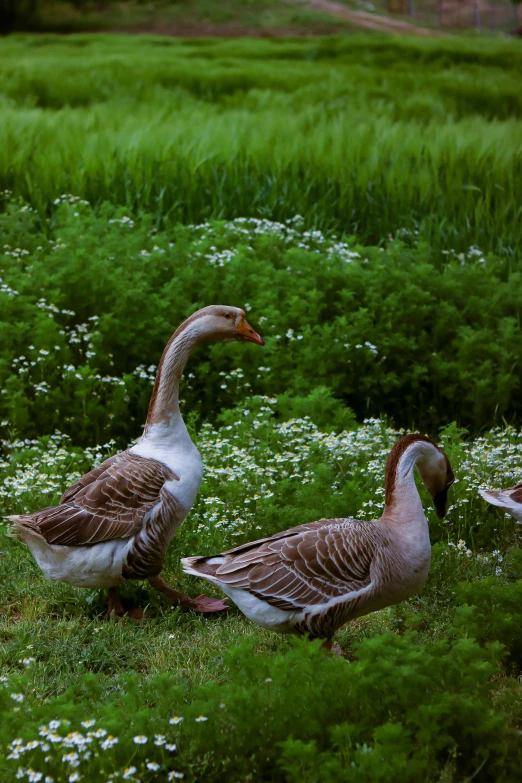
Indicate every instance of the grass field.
{"type": "Point", "coordinates": [362, 135]}
{"type": "Point", "coordinates": [360, 198]}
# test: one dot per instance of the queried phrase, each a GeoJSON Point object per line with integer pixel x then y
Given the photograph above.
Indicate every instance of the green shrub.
{"type": "Point", "coordinates": [403, 710]}
{"type": "Point", "coordinates": [90, 299]}
{"type": "Point", "coordinates": [492, 608]}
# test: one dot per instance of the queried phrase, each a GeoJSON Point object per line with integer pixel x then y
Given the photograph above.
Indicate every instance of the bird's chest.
{"type": "Point", "coordinates": [188, 468]}
{"type": "Point", "coordinates": [173, 447]}
{"type": "Point", "coordinates": [185, 463]}
{"type": "Point", "coordinates": [171, 444]}
{"type": "Point", "coordinates": [407, 569]}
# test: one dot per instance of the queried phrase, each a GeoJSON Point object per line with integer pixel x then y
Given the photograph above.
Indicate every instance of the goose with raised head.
{"type": "Point", "coordinates": [314, 578]}
{"type": "Point", "coordinates": [509, 499]}
{"type": "Point", "coordinates": [116, 522]}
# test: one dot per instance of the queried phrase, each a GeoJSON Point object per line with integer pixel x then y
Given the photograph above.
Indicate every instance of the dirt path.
{"type": "Point", "coordinates": [371, 21]}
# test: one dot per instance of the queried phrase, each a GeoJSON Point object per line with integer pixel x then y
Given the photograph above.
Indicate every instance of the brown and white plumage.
{"type": "Point", "coordinates": [509, 499]}
{"type": "Point", "coordinates": [108, 502]}
{"type": "Point", "coordinates": [315, 577]}
{"type": "Point", "coordinates": [116, 522]}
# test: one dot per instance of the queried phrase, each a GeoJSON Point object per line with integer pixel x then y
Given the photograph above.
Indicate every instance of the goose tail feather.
{"type": "Point", "coordinates": [496, 497]}
{"type": "Point", "coordinates": [21, 526]}
{"type": "Point", "coordinates": [503, 500]}
{"type": "Point", "coordinates": [201, 566]}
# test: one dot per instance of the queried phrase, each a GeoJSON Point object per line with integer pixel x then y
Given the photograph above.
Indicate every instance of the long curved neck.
{"type": "Point", "coordinates": [164, 401]}
{"type": "Point", "coordinates": [403, 503]}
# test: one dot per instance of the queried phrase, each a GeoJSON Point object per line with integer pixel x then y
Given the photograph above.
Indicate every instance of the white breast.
{"type": "Point", "coordinates": [170, 443]}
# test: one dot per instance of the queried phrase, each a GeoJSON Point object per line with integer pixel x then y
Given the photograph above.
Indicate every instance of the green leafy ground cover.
{"type": "Point", "coordinates": [392, 301]}
{"type": "Point", "coordinates": [90, 298]}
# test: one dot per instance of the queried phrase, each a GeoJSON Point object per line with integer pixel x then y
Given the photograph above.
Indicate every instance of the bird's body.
{"type": "Point", "coordinates": [315, 577]}
{"type": "Point", "coordinates": [116, 522]}
{"type": "Point", "coordinates": [113, 524]}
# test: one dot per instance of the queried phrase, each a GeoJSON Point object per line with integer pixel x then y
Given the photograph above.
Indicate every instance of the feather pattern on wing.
{"type": "Point", "coordinates": [305, 566]}
{"type": "Point", "coordinates": [109, 502]}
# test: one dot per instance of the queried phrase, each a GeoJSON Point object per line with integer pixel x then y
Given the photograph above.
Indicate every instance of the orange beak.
{"type": "Point", "coordinates": [245, 333]}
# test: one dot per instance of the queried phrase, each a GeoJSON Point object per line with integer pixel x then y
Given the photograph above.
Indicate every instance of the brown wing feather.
{"type": "Point", "coordinates": [88, 478]}
{"type": "Point", "coordinates": [516, 493]}
{"type": "Point", "coordinates": [109, 502]}
{"type": "Point", "coordinates": [283, 534]}
{"type": "Point", "coordinates": [310, 566]}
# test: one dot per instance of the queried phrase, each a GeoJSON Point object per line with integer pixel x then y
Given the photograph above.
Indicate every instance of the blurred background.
{"type": "Point", "coordinates": [258, 17]}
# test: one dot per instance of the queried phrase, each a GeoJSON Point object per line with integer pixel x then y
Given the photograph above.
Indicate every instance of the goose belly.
{"type": "Point", "coordinates": [260, 612]}
{"type": "Point", "coordinates": [97, 566]}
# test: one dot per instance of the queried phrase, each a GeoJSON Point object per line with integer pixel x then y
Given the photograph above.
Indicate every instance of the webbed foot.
{"type": "Point", "coordinates": [204, 604]}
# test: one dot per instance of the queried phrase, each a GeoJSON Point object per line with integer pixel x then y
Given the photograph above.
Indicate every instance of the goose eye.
{"type": "Point", "coordinates": [227, 315]}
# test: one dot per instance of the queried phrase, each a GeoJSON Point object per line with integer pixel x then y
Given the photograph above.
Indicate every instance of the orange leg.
{"type": "Point", "coordinates": [202, 603]}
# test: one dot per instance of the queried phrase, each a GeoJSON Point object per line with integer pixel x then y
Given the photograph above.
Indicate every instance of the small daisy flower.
{"type": "Point", "coordinates": [153, 765]}
{"type": "Point", "coordinates": [18, 697]}
{"type": "Point", "coordinates": [128, 772]}
{"type": "Point", "coordinates": [100, 733]}
{"type": "Point", "coordinates": [109, 742]}
{"type": "Point", "coordinates": [201, 719]}
{"type": "Point", "coordinates": [88, 723]}
{"type": "Point", "coordinates": [140, 739]}
{"type": "Point", "coordinates": [171, 746]}
{"type": "Point", "coordinates": [73, 777]}
{"type": "Point", "coordinates": [159, 739]}
{"type": "Point", "coordinates": [175, 720]}
{"type": "Point", "coordinates": [174, 775]}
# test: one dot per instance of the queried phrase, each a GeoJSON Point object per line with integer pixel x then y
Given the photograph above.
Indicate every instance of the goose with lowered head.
{"type": "Point", "coordinates": [116, 522]}
{"type": "Point", "coordinates": [314, 578]}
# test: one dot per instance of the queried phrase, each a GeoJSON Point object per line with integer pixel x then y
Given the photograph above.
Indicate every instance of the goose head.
{"type": "Point", "coordinates": [219, 323]}
{"type": "Point", "coordinates": [437, 476]}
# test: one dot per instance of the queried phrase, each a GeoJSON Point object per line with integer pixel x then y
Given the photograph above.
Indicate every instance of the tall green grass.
{"type": "Point", "coordinates": [362, 135]}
